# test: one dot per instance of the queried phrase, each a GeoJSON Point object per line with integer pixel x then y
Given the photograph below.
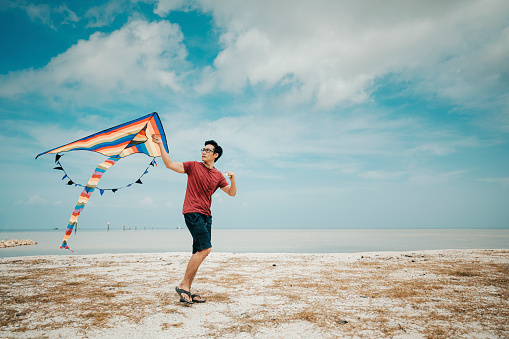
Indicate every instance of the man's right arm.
{"type": "Point", "coordinates": [173, 165]}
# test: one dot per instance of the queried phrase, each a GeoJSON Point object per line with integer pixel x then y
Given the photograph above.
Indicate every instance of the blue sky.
{"type": "Point", "coordinates": [361, 114]}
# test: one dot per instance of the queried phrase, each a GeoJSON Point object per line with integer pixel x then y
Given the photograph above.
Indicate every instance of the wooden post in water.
{"type": "Point", "coordinates": [124, 227]}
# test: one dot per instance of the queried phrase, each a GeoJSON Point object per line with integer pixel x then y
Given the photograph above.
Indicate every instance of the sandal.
{"type": "Point", "coordinates": [180, 291]}
{"type": "Point", "coordinates": [202, 300]}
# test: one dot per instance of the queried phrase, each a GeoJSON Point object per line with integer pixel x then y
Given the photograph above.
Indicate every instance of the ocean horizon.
{"type": "Point", "coordinates": [94, 241]}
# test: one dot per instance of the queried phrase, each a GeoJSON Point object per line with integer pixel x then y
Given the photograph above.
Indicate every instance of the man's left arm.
{"type": "Point", "coordinates": [231, 189]}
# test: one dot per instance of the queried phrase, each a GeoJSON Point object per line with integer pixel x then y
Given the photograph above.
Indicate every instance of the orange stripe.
{"type": "Point", "coordinates": [127, 127]}
{"type": "Point", "coordinates": [104, 137]}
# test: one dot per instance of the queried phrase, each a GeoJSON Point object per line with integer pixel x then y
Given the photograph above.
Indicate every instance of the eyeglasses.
{"type": "Point", "coordinates": [207, 150]}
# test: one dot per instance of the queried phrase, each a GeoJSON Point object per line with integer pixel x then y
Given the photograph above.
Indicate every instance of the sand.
{"type": "Point", "coordinates": [422, 294]}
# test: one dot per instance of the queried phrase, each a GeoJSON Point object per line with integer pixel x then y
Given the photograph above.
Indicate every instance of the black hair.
{"type": "Point", "coordinates": [217, 148]}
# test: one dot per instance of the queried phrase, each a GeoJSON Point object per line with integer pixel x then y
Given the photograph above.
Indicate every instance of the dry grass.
{"type": "Point", "coordinates": [218, 297]}
{"type": "Point", "coordinates": [442, 298]}
{"type": "Point", "coordinates": [430, 295]}
{"type": "Point", "coordinates": [69, 296]}
{"type": "Point", "coordinates": [166, 326]}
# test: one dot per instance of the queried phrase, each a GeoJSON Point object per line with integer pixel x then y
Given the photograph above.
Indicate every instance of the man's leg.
{"type": "Point", "coordinates": [192, 267]}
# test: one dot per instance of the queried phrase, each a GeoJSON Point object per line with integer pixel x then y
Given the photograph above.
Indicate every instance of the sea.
{"type": "Point", "coordinates": [256, 240]}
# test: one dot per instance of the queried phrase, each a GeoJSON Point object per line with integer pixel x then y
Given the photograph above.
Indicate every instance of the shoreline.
{"type": "Point", "coordinates": [261, 241]}
{"type": "Point", "coordinates": [433, 293]}
{"type": "Point", "coordinates": [16, 243]}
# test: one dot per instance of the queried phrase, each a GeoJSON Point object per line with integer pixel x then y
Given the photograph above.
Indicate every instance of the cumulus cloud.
{"type": "Point", "coordinates": [140, 56]}
{"type": "Point", "coordinates": [324, 52]}
{"type": "Point", "coordinates": [333, 52]}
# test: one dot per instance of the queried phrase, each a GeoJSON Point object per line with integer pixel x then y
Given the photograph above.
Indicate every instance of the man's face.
{"type": "Point", "coordinates": [207, 153]}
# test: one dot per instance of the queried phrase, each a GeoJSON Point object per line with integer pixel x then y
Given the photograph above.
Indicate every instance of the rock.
{"type": "Point", "coordinates": [16, 242]}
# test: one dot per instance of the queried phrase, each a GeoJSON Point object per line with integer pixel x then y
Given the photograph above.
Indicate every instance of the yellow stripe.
{"type": "Point", "coordinates": [126, 152]}
{"type": "Point", "coordinates": [102, 139]}
{"type": "Point", "coordinates": [83, 200]}
{"type": "Point", "coordinates": [152, 148]}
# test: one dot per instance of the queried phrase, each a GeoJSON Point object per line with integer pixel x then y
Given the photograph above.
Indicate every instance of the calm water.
{"type": "Point", "coordinates": [259, 240]}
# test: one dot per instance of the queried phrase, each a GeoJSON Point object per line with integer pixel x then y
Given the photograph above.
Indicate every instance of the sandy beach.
{"type": "Point", "coordinates": [421, 294]}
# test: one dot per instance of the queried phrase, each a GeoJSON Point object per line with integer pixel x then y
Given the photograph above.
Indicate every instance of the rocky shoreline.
{"type": "Point", "coordinates": [16, 242]}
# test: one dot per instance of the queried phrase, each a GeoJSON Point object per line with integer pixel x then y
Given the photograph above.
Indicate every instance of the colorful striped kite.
{"type": "Point", "coordinates": [116, 143]}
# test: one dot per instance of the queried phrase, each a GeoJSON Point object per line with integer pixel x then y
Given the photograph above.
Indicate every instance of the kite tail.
{"type": "Point", "coordinates": [85, 195]}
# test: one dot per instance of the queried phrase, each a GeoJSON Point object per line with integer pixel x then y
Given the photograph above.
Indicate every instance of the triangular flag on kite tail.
{"type": "Point", "coordinates": [116, 143]}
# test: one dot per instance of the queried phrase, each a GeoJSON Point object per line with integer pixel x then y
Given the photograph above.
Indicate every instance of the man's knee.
{"type": "Point", "coordinates": [205, 252]}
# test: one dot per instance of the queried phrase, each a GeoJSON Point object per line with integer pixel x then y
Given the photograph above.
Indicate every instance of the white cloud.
{"type": "Point", "coordinates": [443, 144]}
{"type": "Point", "coordinates": [164, 7]}
{"type": "Point", "coordinates": [364, 144]}
{"type": "Point", "coordinates": [381, 175]}
{"type": "Point", "coordinates": [69, 16]}
{"type": "Point", "coordinates": [424, 177]}
{"type": "Point", "coordinates": [325, 52]}
{"type": "Point", "coordinates": [280, 137]}
{"type": "Point", "coordinates": [39, 12]}
{"type": "Point", "coordinates": [502, 181]}
{"type": "Point", "coordinates": [100, 16]}
{"type": "Point", "coordinates": [147, 202]}
{"type": "Point", "coordinates": [33, 199]}
{"type": "Point", "coordinates": [139, 56]}
{"type": "Point", "coordinates": [52, 16]}
{"type": "Point", "coordinates": [332, 52]}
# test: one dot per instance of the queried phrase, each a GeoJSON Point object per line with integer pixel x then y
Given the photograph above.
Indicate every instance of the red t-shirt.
{"type": "Point", "coordinates": [201, 184]}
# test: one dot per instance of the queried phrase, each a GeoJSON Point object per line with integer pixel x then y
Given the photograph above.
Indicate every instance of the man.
{"type": "Point", "coordinates": [202, 181]}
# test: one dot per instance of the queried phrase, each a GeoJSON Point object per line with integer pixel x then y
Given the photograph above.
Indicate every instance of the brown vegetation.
{"type": "Point", "coordinates": [430, 294]}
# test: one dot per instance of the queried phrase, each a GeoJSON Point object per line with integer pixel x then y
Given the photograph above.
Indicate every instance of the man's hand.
{"type": "Point", "coordinates": [173, 165]}
{"type": "Point", "coordinates": [156, 139]}
{"type": "Point", "coordinates": [231, 189]}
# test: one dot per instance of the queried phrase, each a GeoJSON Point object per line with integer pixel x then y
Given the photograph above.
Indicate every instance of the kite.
{"type": "Point", "coordinates": [116, 143]}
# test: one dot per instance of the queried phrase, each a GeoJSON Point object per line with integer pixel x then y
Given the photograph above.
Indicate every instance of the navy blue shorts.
{"type": "Point", "coordinates": [200, 226]}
